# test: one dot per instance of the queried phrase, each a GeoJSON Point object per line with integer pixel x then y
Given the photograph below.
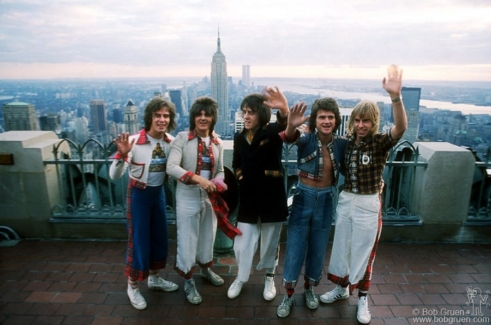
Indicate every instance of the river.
{"type": "Point", "coordinates": [318, 87]}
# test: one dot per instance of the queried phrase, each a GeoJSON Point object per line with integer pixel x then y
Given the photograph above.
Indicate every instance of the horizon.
{"type": "Point", "coordinates": [426, 74]}
{"type": "Point", "coordinates": [236, 78]}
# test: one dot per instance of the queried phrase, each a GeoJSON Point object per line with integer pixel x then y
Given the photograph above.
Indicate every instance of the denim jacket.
{"type": "Point", "coordinates": [309, 157]}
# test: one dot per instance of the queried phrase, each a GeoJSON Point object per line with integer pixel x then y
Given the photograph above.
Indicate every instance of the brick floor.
{"type": "Point", "coordinates": [81, 282]}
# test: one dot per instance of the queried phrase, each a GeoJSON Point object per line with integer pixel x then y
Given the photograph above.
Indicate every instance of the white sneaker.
{"type": "Point", "coordinates": [235, 289]}
{"type": "Point", "coordinates": [192, 295]}
{"type": "Point", "coordinates": [269, 288]}
{"type": "Point", "coordinates": [157, 283]}
{"type": "Point", "coordinates": [285, 306]}
{"type": "Point", "coordinates": [363, 314]}
{"type": "Point", "coordinates": [211, 276]}
{"type": "Point", "coordinates": [136, 298]}
{"type": "Point", "coordinates": [336, 294]}
{"type": "Point", "coordinates": [311, 300]}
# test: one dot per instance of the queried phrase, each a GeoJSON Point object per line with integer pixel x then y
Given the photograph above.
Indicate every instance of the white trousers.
{"type": "Point", "coordinates": [245, 247]}
{"type": "Point", "coordinates": [355, 235]}
{"type": "Point", "coordinates": [196, 227]}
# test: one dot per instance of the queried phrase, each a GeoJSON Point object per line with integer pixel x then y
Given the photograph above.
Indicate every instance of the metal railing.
{"type": "Point", "coordinates": [480, 201]}
{"type": "Point", "coordinates": [399, 178]}
{"type": "Point", "coordinates": [87, 194]}
{"type": "Point", "coordinates": [399, 175]}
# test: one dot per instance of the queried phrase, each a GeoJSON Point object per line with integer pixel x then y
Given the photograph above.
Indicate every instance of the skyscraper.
{"type": "Point", "coordinates": [246, 76]}
{"type": "Point", "coordinates": [19, 116]}
{"type": "Point", "coordinates": [131, 124]}
{"type": "Point", "coordinates": [98, 111]}
{"type": "Point", "coordinates": [345, 113]}
{"type": "Point", "coordinates": [50, 122]}
{"type": "Point", "coordinates": [176, 99]}
{"type": "Point", "coordinates": [81, 125]}
{"type": "Point", "coordinates": [410, 98]}
{"type": "Point", "coordinates": [184, 96]}
{"type": "Point", "coordinates": [118, 115]}
{"type": "Point", "coordinates": [219, 89]}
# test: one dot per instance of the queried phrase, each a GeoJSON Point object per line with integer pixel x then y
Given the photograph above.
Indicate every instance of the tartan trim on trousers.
{"type": "Point", "coordinates": [364, 283]}
{"type": "Point", "coordinates": [291, 285]}
{"type": "Point", "coordinates": [344, 281]}
{"type": "Point", "coordinates": [190, 273]}
{"type": "Point", "coordinates": [136, 275]}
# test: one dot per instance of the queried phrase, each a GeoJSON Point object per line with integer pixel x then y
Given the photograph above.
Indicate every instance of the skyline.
{"type": "Point", "coordinates": [437, 40]}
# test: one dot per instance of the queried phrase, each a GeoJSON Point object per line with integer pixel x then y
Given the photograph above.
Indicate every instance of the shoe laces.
{"type": "Point", "coordinates": [310, 292]}
{"type": "Point", "coordinates": [269, 283]}
{"type": "Point", "coordinates": [236, 284]}
{"type": "Point", "coordinates": [287, 301]}
{"type": "Point", "coordinates": [362, 302]}
{"type": "Point", "coordinates": [209, 274]}
{"type": "Point", "coordinates": [339, 291]}
{"type": "Point", "coordinates": [135, 295]}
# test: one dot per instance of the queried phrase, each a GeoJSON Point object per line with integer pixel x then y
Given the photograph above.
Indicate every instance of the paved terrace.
{"type": "Point", "coordinates": [82, 282]}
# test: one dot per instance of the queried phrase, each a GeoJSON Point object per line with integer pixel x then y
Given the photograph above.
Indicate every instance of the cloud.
{"type": "Point", "coordinates": [260, 33]}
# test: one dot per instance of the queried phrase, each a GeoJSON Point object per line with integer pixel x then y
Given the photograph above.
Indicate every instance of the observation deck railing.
{"type": "Point", "coordinates": [89, 195]}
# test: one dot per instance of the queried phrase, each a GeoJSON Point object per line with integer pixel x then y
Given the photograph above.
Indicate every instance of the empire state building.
{"type": "Point", "coordinates": [219, 89]}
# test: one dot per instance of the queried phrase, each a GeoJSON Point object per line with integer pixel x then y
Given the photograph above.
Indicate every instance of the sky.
{"type": "Point", "coordinates": [349, 39]}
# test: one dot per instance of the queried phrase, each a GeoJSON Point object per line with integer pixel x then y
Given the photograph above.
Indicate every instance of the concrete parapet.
{"type": "Point", "coordinates": [443, 189]}
{"type": "Point", "coordinates": [28, 188]}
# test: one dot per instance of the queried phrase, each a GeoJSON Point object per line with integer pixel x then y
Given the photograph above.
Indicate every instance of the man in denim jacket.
{"type": "Point", "coordinates": [319, 158]}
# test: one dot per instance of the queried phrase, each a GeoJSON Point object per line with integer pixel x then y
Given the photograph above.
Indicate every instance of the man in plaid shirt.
{"type": "Point", "coordinates": [359, 213]}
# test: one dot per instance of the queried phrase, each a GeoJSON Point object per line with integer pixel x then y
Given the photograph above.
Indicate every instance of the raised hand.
{"type": "Point", "coordinates": [123, 144]}
{"type": "Point", "coordinates": [296, 116]}
{"type": "Point", "coordinates": [393, 82]}
{"type": "Point", "coordinates": [276, 99]}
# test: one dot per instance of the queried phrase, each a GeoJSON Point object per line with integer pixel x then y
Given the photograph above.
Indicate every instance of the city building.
{"type": "Point", "coordinates": [412, 132]}
{"type": "Point", "coordinates": [410, 98]}
{"type": "Point", "coordinates": [50, 122]}
{"type": "Point", "coordinates": [185, 102]}
{"type": "Point", "coordinates": [246, 76]}
{"type": "Point", "coordinates": [219, 89]}
{"type": "Point", "coordinates": [176, 98]}
{"type": "Point", "coordinates": [81, 126]}
{"type": "Point", "coordinates": [131, 124]}
{"type": "Point", "coordinates": [98, 111]}
{"type": "Point", "coordinates": [345, 114]}
{"type": "Point", "coordinates": [239, 121]}
{"type": "Point", "coordinates": [118, 115]}
{"type": "Point", "coordinates": [20, 116]}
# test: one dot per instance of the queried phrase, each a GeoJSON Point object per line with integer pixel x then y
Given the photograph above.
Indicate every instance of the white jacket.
{"type": "Point", "coordinates": [138, 159]}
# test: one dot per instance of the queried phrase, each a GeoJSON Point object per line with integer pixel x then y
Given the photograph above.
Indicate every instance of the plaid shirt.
{"type": "Point", "coordinates": [365, 163]}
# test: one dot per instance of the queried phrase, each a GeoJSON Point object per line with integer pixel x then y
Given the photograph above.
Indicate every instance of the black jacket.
{"type": "Point", "coordinates": [262, 188]}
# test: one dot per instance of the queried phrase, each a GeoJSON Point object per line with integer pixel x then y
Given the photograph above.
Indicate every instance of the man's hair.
{"type": "Point", "coordinates": [256, 103]}
{"type": "Point", "coordinates": [156, 104]}
{"type": "Point", "coordinates": [207, 104]}
{"type": "Point", "coordinates": [324, 104]}
{"type": "Point", "coordinates": [365, 110]}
